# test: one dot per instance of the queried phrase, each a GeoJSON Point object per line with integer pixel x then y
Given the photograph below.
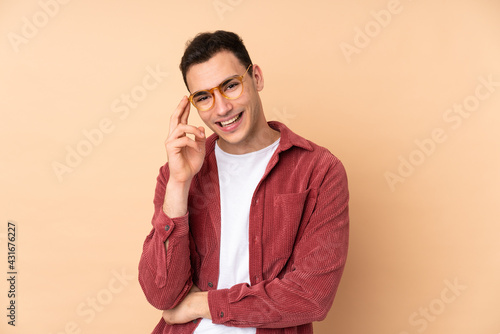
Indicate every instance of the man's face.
{"type": "Point", "coordinates": [237, 122]}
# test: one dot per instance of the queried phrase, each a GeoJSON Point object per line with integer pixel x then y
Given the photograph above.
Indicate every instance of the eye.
{"type": "Point", "coordinates": [201, 97]}
{"type": "Point", "coordinates": [231, 85]}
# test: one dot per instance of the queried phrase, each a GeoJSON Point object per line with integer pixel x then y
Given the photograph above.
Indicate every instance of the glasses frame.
{"type": "Point", "coordinates": [219, 88]}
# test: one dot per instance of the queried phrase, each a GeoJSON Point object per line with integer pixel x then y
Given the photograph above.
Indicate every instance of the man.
{"type": "Point", "coordinates": [250, 229]}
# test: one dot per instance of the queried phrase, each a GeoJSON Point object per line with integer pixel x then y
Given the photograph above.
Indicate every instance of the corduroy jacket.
{"type": "Point", "coordinates": [298, 240]}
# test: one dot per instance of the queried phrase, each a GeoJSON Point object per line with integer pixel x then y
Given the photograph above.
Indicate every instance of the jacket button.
{"type": "Point", "coordinates": [210, 284]}
{"type": "Point", "coordinates": [222, 314]}
{"type": "Point", "coordinates": [167, 227]}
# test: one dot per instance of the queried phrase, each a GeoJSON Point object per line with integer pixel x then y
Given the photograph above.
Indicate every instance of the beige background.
{"type": "Point", "coordinates": [372, 98]}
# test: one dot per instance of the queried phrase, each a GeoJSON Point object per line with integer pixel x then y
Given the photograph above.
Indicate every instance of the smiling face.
{"type": "Point", "coordinates": [239, 123]}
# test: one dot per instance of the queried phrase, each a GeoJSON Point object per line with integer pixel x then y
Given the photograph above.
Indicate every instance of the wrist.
{"type": "Point", "coordinates": [179, 186]}
{"type": "Point", "coordinates": [176, 198]}
{"type": "Point", "coordinates": [202, 307]}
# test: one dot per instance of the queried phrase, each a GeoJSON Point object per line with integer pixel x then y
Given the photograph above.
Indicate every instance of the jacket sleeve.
{"type": "Point", "coordinates": [165, 277]}
{"type": "Point", "coordinates": [306, 292]}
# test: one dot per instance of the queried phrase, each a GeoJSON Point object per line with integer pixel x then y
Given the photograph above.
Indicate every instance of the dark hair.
{"type": "Point", "coordinates": [205, 45]}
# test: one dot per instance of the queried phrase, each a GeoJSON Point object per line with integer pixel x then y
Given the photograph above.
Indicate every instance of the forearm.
{"type": "Point", "coordinates": [165, 276]}
{"type": "Point", "coordinates": [194, 306]}
{"type": "Point", "coordinates": [176, 198]}
{"type": "Point", "coordinates": [300, 297]}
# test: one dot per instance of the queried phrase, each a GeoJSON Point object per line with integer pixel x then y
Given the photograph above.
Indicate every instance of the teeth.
{"type": "Point", "coordinates": [230, 121]}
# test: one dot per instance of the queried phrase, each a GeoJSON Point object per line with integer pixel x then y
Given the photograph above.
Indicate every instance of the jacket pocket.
{"type": "Point", "coordinates": [291, 213]}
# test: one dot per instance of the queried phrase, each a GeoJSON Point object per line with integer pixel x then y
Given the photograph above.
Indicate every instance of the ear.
{"type": "Point", "coordinates": [258, 78]}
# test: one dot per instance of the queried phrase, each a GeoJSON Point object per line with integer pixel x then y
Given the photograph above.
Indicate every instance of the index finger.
{"type": "Point", "coordinates": [185, 112]}
{"type": "Point", "coordinates": [178, 115]}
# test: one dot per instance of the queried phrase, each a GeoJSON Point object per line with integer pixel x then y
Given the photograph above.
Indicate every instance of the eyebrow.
{"type": "Point", "coordinates": [200, 92]}
{"type": "Point", "coordinates": [221, 84]}
{"type": "Point", "coordinates": [227, 80]}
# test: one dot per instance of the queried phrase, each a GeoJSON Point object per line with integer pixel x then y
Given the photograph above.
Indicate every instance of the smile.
{"type": "Point", "coordinates": [230, 121]}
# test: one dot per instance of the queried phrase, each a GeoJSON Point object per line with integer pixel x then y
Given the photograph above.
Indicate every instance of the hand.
{"type": "Point", "coordinates": [185, 155]}
{"type": "Point", "coordinates": [194, 306]}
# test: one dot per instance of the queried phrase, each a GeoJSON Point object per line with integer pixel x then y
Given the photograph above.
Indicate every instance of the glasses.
{"type": "Point", "coordinates": [231, 89]}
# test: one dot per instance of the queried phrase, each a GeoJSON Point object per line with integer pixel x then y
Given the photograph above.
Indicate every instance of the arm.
{"type": "Point", "coordinates": [306, 291]}
{"type": "Point", "coordinates": [164, 267]}
{"type": "Point", "coordinates": [157, 265]}
{"type": "Point", "coordinates": [193, 306]}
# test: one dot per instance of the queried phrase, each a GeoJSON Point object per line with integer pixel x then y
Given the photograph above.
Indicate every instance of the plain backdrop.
{"type": "Point", "coordinates": [406, 93]}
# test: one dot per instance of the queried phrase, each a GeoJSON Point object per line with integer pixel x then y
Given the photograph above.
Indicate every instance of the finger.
{"type": "Point", "coordinates": [201, 137]}
{"type": "Point", "coordinates": [175, 119]}
{"type": "Point", "coordinates": [185, 112]}
{"type": "Point", "coordinates": [180, 109]}
{"type": "Point", "coordinates": [183, 142]}
{"type": "Point", "coordinates": [182, 130]}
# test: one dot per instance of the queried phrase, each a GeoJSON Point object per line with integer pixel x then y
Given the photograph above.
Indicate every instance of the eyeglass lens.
{"type": "Point", "coordinates": [230, 89]}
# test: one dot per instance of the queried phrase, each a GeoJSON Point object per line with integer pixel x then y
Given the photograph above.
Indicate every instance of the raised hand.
{"type": "Point", "coordinates": [185, 155]}
{"type": "Point", "coordinates": [185, 158]}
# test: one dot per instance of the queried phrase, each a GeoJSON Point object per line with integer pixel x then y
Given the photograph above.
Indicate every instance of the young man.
{"type": "Point", "coordinates": [250, 229]}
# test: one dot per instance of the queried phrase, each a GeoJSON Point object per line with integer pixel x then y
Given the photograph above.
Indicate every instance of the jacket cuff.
{"type": "Point", "coordinates": [218, 303]}
{"type": "Point", "coordinates": [164, 226]}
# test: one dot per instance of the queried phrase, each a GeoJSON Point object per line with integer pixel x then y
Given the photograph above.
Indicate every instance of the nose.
{"type": "Point", "coordinates": [221, 105]}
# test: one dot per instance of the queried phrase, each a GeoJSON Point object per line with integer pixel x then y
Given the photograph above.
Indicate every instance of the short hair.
{"type": "Point", "coordinates": [205, 45]}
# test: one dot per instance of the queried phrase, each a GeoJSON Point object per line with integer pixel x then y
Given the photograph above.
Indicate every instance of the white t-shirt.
{"type": "Point", "coordinates": [239, 175]}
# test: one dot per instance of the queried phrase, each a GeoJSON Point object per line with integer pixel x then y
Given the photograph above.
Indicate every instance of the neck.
{"type": "Point", "coordinates": [263, 138]}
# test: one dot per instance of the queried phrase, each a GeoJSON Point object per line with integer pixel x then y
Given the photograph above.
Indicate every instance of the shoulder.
{"type": "Point", "coordinates": [320, 164]}
{"type": "Point", "coordinates": [302, 159]}
{"type": "Point", "coordinates": [299, 147]}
